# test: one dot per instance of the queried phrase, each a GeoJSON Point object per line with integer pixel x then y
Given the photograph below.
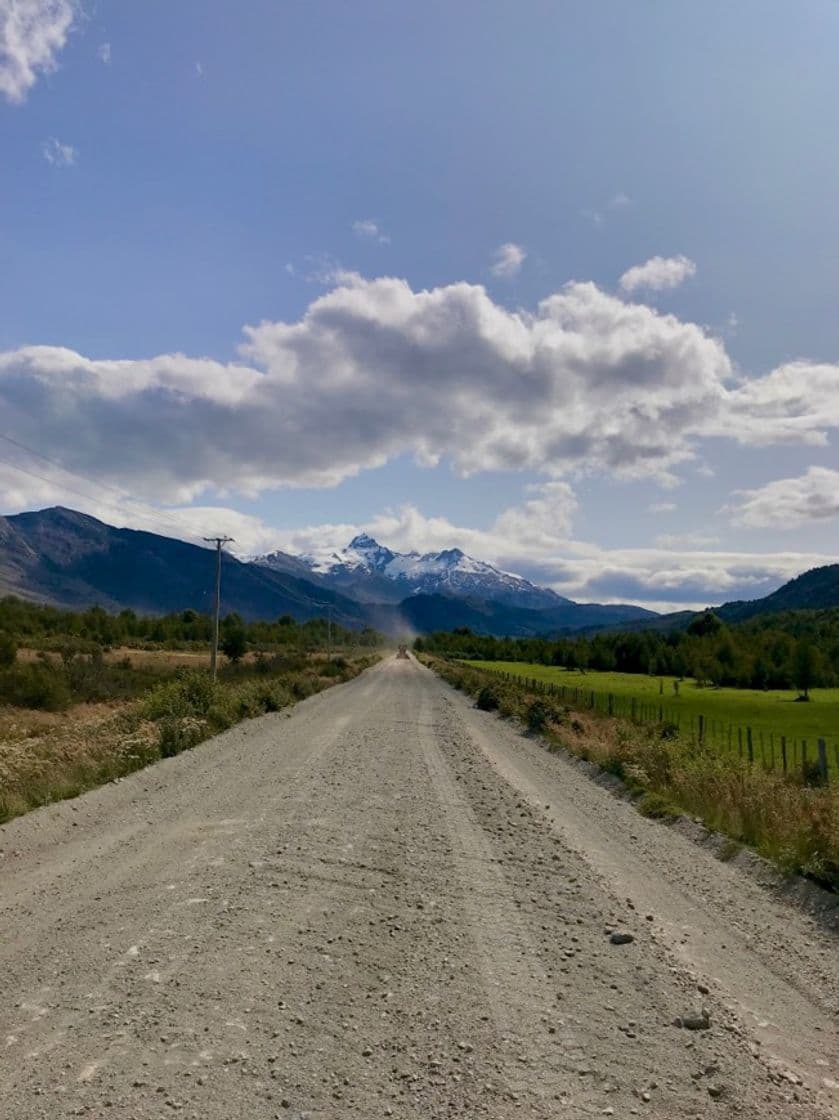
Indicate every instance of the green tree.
{"type": "Point", "coordinates": [804, 667]}
{"type": "Point", "coordinates": [234, 644]}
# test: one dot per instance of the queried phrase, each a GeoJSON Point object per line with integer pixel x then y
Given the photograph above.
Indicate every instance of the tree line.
{"type": "Point", "coordinates": [797, 649]}
{"type": "Point", "coordinates": [42, 626]}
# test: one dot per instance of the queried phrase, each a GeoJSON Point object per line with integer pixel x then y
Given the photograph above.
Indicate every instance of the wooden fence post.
{"type": "Point", "coordinates": [749, 745]}
{"type": "Point", "coordinates": [784, 752]}
{"type": "Point", "coordinates": [823, 760]}
{"type": "Point", "coordinates": [701, 728]}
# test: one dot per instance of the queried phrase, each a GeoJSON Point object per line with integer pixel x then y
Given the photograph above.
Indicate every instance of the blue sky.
{"type": "Point", "coordinates": [425, 212]}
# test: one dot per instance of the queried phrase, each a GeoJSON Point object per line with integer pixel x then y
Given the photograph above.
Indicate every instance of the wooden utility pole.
{"type": "Point", "coordinates": [218, 542]}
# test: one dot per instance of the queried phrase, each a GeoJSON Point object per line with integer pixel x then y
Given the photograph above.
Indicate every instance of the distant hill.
{"type": "Point", "coordinates": [814, 590]}
{"type": "Point", "coordinates": [67, 558]}
{"type": "Point", "coordinates": [72, 560]}
{"type": "Point", "coordinates": [425, 613]}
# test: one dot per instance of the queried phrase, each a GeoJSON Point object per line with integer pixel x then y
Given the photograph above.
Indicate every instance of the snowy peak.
{"type": "Point", "coordinates": [367, 567]}
{"type": "Point", "coordinates": [364, 552]}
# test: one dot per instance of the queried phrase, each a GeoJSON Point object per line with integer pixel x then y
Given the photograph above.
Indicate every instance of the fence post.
{"type": "Point", "coordinates": [611, 703]}
{"type": "Point", "coordinates": [750, 745]}
{"type": "Point", "coordinates": [823, 760]}
{"type": "Point", "coordinates": [740, 741]}
{"type": "Point", "coordinates": [633, 707]}
{"type": "Point", "coordinates": [701, 728]}
{"type": "Point", "coordinates": [784, 752]}
{"type": "Point", "coordinates": [804, 757]}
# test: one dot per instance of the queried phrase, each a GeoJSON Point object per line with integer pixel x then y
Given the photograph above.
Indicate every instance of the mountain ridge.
{"type": "Point", "coordinates": [364, 562]}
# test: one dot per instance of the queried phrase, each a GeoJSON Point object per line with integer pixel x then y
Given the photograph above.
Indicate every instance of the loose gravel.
{"type": "Point", "coordinates": [386, 903]}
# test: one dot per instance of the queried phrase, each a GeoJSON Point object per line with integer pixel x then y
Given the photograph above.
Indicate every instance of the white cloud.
{"type": "Point", "coordinates": [373, 370]}
{"type": "Point", "coordinates": [787, 503]}
{"type": "Point", "coordinates": [199, 69]}
{"type": "Point", "coordinates": [368, 229]}
{"type": "Point", "coordinates": [507, 260]}
{"type": "Point", "coordinates": [104, 53]}
{"type": "Point", "coordinates": [58, 154]}
{"type": "Point", "coordinates": [661, 507]}
{"type": "Point", "coordinates": [795, 403]}
{"type": "Point", "coordinates": [32, 32]}
{"type": "Point", "coordinates": [658, 273]}
{"type": "Point", "coordinates": [675, 541]}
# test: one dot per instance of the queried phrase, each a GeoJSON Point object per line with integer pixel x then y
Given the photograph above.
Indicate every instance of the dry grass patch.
{"type": "Point", "coordinates": [795, 825]}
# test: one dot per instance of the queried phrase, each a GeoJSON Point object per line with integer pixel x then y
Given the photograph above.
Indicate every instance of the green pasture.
{"type": "Point", "coordinates": [727, 712]}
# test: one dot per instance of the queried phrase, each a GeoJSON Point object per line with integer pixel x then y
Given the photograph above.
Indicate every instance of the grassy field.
{"type": "Point", "coordinates": [769, 714]}
{"type": "Point", "coordinates": [791, 820]}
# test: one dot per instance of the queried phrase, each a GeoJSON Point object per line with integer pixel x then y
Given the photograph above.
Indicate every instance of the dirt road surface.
{"type": "Point", "coordinates": [386, 903]}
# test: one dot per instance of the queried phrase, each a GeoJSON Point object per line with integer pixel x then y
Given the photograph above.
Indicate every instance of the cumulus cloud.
{"type": "Point", "coordinates": [370, 231]}
{"type": "Point", "coordinates": [374, 370]}
{"type": "Point", "coordinates": [32, 33]}
{"type": "Point", "coordinates": [787, 503]}
{"type": "Point", "coordinates": [104, 53]}
{"type": "Point", "coordinates": [58, 154]}
{"type": "Point", "coordinates": [507, 260]}
{"type": "Point", "coordinates": [658, 274]}
{"type": "Point", "coordinates": [795, 403]}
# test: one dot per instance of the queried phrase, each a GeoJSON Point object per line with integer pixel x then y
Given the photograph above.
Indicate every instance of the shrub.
{"type": "Point", "coordinates": [234, 644]}
{"type": "Point", "coordinates": [8, 651]}
{"type": "Point", "coordinates": [538, 715]}
{"type": "Point", "coordinates": [179, 734]}
{"type": "Point", "coordinates": [35, 686]}
{"type": "Point", "coordinates": [488, 700]}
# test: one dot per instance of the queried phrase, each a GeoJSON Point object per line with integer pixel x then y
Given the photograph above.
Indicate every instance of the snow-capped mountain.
{"type": "Point", "coordinates": [376, 573]}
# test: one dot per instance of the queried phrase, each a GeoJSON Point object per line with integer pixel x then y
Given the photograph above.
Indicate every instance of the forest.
{"type": "Point", "coordinates": [797, 649]}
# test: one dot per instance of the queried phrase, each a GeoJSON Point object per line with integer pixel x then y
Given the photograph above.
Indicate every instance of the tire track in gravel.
{"type": "Point", "coordinates": [344, 911]}
{"type": "Point", "coordinates": [765, 962]}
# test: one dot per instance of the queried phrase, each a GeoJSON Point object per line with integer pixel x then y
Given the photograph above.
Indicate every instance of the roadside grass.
{"type": "Point", "coordinates": [50, 756]}
{"type": "Point", "coordinates": [794, 825]}
{"type": "Point", "coordinates": [769, 713]}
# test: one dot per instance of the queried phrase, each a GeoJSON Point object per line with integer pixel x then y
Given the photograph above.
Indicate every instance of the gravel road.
{"type": "Point", "coordinates": [386, 903]}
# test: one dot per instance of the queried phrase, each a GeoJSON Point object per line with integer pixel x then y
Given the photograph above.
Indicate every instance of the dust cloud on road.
{"type": "Point", "coordinates": [386, 903]}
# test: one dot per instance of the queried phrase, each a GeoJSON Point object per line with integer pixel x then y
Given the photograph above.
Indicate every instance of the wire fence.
{"type": "Point", "coordinates": [816, 759]}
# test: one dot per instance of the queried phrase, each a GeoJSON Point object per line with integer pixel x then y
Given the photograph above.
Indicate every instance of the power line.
{"type": "Point", "coordinates": [144, 507]}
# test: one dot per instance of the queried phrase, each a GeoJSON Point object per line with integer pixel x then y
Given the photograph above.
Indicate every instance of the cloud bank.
{"type": "Point", "coordinates": [32, 33]}
{"type": "Point", "coordinates": [584, 383]}
{"type": "Point", "coordinates": [374, 370]}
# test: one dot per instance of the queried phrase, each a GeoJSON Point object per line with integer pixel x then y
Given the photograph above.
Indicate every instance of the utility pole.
{"type": "Point", "coordinates": [218, 542]}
